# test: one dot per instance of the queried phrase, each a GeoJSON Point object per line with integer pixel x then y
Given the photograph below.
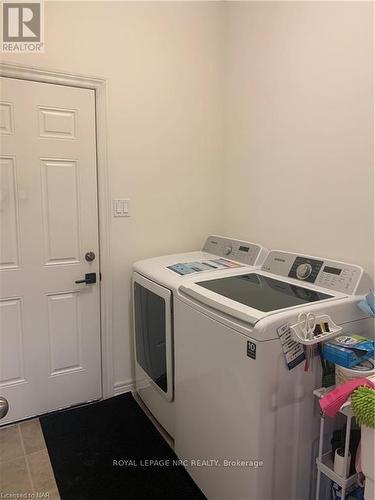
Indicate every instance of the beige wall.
{"type": "Point", "coordinates": [299, 127]}
{"type": "Point", "coordinates": [162, 62]}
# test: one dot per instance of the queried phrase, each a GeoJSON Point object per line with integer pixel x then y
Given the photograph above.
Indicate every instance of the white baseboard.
{"type": "Point", "coordinates": [123, 386]}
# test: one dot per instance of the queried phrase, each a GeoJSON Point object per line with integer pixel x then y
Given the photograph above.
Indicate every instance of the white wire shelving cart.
{"type": "Point", "coordinates": [324, 462]}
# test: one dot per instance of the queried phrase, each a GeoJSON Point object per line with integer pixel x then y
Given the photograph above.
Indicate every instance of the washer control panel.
{"type": "Point", "coordinates": [241, 251]}
{"type": "Point", "coordinates": [329, 274]}
{"type": "Point", "coordinates": [343, 278]}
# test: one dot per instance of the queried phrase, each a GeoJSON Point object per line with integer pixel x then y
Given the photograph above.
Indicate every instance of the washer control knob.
{"type": "Point", "coordinates": [228, 250]}
{"type": "Point", "coordinates": [303, 271]}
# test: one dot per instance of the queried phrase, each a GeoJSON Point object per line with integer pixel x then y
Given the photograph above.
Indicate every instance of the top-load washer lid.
{"type": "Point", "coordinates": [262, 292]}
{"type": "Point", "coordinates": [286, 281]}
{"type": "Point", "coordinates": [252, 296]}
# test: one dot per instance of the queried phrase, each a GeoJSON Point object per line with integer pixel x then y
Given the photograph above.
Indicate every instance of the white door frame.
{"type": "Point", "coordinates": [99, 85]}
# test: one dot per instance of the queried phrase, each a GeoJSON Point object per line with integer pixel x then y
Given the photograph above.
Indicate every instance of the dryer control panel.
{"type": "Point", "coordinates": [241, 251]}
{"type": "Point", "coordinates": [329, 274]}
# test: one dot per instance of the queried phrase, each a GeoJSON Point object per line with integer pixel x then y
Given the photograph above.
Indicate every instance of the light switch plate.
{"type": "Point", "coordinates": [121, 207]}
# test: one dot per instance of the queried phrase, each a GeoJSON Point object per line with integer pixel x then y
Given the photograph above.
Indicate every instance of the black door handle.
{"type": "Point", "coordinates": [90, 279]}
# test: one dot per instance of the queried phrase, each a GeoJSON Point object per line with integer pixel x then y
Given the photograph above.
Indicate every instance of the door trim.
{"type": "Point", "coordinates": [99, 85]}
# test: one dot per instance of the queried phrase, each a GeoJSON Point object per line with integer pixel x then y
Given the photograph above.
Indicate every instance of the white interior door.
{"type": "Point", "coordinates": [49, 325]}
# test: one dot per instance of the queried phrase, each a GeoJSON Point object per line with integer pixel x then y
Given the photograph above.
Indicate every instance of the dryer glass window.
{"type": "Point", "coordinates": [261, 292]}
{"type": "Point", "coordinates": [150, 334]}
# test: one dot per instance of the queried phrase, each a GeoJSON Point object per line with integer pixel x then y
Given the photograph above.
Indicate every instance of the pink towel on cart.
{"type": "Point", "coordinates": [333, 400]}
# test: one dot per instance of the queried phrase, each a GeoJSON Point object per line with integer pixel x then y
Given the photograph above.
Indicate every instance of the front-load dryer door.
{"type": "Point", "coordinates": [152, 305]}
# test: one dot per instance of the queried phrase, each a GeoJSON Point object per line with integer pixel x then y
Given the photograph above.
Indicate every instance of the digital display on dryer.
{"type": "Point", "coordinates": [244, 249]}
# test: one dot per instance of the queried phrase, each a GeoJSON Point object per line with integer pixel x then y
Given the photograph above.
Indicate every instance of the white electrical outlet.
{"type": "Point", "coordinates": [121, 207]}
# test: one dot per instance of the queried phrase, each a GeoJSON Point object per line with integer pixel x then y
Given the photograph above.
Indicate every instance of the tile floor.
{"type": "Point", "coordinates": [24, 462]}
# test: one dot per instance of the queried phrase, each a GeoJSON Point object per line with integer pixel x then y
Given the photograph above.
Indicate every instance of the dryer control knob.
{"type": "Point", "coordinates": [228, 250]}
{"type": "Point", "coordinates": [303, 271]}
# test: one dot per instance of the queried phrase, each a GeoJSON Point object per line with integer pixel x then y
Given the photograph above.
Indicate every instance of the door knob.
{"type": "Point", "coordinates": [4, 407]}
{"type": "Point", "coordinates": [90, 256]}
{"type": "Point", "coordinates": [89, 279]}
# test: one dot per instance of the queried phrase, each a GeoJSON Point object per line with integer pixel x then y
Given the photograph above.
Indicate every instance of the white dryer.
{"type": "Point", "coordinates": [155, 282]}
{"type": "Point", "coordinates": [246, 423]}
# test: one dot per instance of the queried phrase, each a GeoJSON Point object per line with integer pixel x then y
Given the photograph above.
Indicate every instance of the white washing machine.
{"type": "Point", "coordinates": [246, 423]}
{"type": "Point", "coordinates": [155, 282]}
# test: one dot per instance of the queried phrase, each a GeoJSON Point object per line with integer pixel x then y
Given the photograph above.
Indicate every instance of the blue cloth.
{"type": "Point", "coordinates": [367, 305]}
